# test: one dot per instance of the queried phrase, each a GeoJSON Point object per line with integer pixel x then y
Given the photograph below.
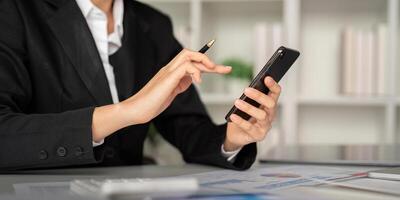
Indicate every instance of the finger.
{"type": "Point", "coordinates": [261, 98]}
{"type": "Point", "coordinates": [263, 122]}
{"type": "Point", "coordinates": [198, 57]}
{"type": "Point", "coordinates": [220, 69]}
{"type": "Point", "coordinates": [185, 83]}
{"type": "Point", "coordinates": [179, 59]}
{"type": "Point", "coordinates": [271, 114]}
{"type": "Point", "coordinates": [241, 123]}
{"type": "Point", "coordinates": [262, 127]}
{"type": "Point", "coordinates": [273, 86]}
{"type": "Point", "coordinates": [193, 72]}
{"type": "Point", "coordinates": [257, 113]}
{"type": "Point", "coordinates": [257, 134]}
{"type": "Point", "coordinates": [207, 63]}
{"type": "Point", "coordinates": [260, 135]}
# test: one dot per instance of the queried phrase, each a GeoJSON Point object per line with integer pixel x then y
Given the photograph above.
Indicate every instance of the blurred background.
{"type": "Point", "coordinates": [342, 90]}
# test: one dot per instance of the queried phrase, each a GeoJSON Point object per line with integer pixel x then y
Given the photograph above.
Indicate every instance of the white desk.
{"type": "Point", "coordinates": [150, 171]}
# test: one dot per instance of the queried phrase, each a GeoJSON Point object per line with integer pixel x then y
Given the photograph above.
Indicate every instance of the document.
{"type": "Point", "coordinates": [266, 180]}
{"type": "Point", "coordinates": [372, 185]}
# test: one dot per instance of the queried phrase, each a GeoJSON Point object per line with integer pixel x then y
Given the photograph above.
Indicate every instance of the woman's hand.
{"type": "Point", "coordinates": [170, 81]}
{"type": "Point", "coordinates": [156, 95]}
{"type": "Point", "coordinates": [241, 132]}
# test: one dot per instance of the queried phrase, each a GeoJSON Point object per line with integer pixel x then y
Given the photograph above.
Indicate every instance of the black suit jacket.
{"type": "Point", "coordinates": [52, 78]}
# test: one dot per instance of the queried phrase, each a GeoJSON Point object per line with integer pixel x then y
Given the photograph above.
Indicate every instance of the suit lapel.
{"type": "Point", "coordinates": [70, 28]}
{"type": "Point", "coordinates": [128, 60]}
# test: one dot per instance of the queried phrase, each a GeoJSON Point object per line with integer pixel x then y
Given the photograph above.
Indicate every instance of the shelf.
{"type": "Point", "coordinates": [239, 1]}
{"type": "Point", "coordinates": [166, 1]}
{"type": "Point", "coordinates": [178, 10]}
{"type": "Point", "coordinates": [232, 25]}
{"type": "Point", "coordinates": [210, 1]}
{"type": "Point", "coordinates": [315, 112]}
{"type": "Point", "coordinates": [341, 125]}
{"type": "Point", "coordinates": [343, 101]}
{"type": "Point", "coordinates": [322, 23]}
{"type": "Point", "coordinates": [397, 121]}
{"type": "Point", "coordinates": [224, 99]}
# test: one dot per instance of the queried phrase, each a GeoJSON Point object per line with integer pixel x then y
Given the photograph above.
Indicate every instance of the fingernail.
{"type": "Point", "coordinates": [269, 80]}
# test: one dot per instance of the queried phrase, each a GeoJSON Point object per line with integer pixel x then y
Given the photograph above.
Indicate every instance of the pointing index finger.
{"type": "Point", "coordinates": [201, 58]}
{"type": "Point", "coordinates": [220, 69]}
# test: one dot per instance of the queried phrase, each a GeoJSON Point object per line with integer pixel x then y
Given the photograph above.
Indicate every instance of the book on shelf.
{"type": "Point", "coordinates": [363, 60]}
{"type": "Point", "coordinates": [381, 47]}
{"type": "Point", "coordinates": [347, 57]}
{"type": "Point", "coordinates": [369, 63]}
{"type": "Point", "coordinates": [359, 63]}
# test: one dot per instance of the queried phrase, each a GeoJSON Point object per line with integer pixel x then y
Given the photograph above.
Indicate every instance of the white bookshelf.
{"type": "Point", "coordinates": [342, 101]}
{"type": "Point", "coordinates": [311, 109]}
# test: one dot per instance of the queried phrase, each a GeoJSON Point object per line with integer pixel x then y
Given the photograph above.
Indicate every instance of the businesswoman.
{"type": "Point", "coordinates": [80, 81]}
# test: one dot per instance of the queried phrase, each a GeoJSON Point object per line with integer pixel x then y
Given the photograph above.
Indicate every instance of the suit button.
{"type": "Point", "coordinates": [61, 151]}
{"type": "Point", "coordinates": [43, 155]}
{"type": "Point", "coordinates": [78, 151]}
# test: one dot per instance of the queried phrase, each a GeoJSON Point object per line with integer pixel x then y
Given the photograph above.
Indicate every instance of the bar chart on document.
{"type": "Point", "coordinates": [266, 180]}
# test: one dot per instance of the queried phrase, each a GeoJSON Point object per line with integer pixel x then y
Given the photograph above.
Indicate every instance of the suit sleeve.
{"type": "Point", "coordinates": [187, 125]}
{"type": "Point", "coordinates": [30, 140]}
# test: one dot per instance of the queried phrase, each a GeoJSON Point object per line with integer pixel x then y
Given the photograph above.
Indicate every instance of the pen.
{"type": "Point", "coordinates": [207, 46]}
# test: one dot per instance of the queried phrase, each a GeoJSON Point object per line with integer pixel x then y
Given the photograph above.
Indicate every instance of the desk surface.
{"type": "Point", "coordinates": [59, 175]}
{"type": "Point", "coordinates": [150, 171]}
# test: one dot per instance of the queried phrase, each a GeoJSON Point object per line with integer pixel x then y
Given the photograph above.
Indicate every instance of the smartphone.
{"type": "Point", "coordinates": [276, 67]}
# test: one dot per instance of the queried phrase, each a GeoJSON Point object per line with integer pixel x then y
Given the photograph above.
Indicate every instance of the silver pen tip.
{"type": "Point", "coordinates": [209, 44]}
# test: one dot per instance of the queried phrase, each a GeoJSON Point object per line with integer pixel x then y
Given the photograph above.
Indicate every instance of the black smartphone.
{"type": "Point", "coordinates": [276, 67]}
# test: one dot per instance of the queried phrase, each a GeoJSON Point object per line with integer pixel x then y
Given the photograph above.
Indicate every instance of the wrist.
{"type": "Point", "coordinates": [128, 113]}
{"type": "Point", "coordinates": [229, 143]}
{"type": "Point", "coordinates": [229, 146]}
{"type": "Point", "coordinates": [106, 120]}
{"type": "Point", "coordinates": [124, 114]}
{"type": "Point", "coordinates": [133, 112]}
